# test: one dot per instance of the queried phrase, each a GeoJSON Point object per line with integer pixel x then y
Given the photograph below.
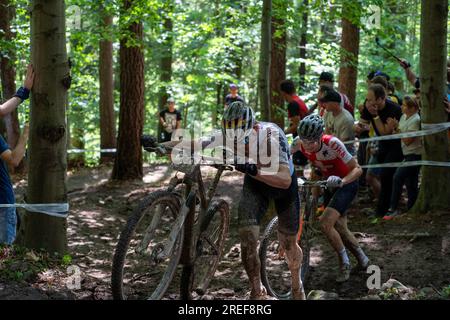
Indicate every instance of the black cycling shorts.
{"type": "Point", "coordinates": [340, 199]}
{"type": "Point", "coordinates": [255, 202]}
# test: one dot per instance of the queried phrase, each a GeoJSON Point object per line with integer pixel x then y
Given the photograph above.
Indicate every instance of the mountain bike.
{"type": "Point", "coordinates": [181, 225]}
{"type": "Point", "coordinates": [275, 274]}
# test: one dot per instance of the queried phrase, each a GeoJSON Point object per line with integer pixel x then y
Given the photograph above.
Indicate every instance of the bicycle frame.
{"type": "Point", "coordinates": [194, 187]}
{"type": "Point", "coordinates": [305, 188]}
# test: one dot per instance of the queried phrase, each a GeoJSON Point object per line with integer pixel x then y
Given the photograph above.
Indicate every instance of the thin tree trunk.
{"type": "Point", "coordinates": [165, 67]}
{"type": "Point", "coordinates": [106, 73]}
{"type": "Point", "coordinates": [277, 61]}
{"type": "Point", "coordinates": [303, 43]}
{"type": "Point", "coordinates": [348, 72]}
{"type": "Point", "coordinates": [47, 145]}
{"type": "Point", "coordinates": [435, 189]}
{"type": "Point", "coordinates": [264, 61]}
{"type": "Point", "coordinates": [8, 74]}
{"type": "Point", "coordinates": [128, 161]}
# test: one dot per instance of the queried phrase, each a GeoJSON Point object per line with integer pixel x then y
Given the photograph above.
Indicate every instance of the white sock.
{"type": "Point", "coordinates": [344, 257]}
{"type": "Point", "coordinates": [362, 258]}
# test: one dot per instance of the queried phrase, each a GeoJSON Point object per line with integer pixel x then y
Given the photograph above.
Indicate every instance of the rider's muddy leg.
{"type": "Point", "coordinates": [249, 236]}
{"type": "Point", "coordinates": [327, 225]}
{"type": "Point", "coordinates": [349, 240]}
{"type": "Point", "coordinates": [294, 257]}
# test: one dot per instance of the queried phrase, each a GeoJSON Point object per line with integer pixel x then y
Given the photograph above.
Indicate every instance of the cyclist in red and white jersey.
{"type": "Point", "coordinates": [342, 171]}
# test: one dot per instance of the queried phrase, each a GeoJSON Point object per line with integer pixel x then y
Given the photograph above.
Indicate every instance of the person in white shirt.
{"type": "Point", "coordinates": [412, 149]}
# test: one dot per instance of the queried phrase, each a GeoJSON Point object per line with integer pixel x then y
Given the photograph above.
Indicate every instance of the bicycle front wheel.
{"type": "Point", "coordinates": [139, 271]}
{"type": "Point", "coordinates": [208, 252]}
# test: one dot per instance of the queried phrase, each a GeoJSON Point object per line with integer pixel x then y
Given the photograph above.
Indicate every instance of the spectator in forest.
{"type": "Point", "coordinates": [368, 151]}
{"type": "Point", "coordinates": [327, 79]}
{"type": "Point", "coordinates": [297, 110]}
{"type": "Point", "coordinates": [377, 73]}
{"type": "Point", "coordinates": [412, 151]}
{"type": "Point", "coordinates": [338, 121]}
{"type": "Point", "coordinates": [21, 95]}
{"type": "Point", "coordinates": [8, 157]}
{"type": "Point", "coordinates": [233, 96]}
{"type": "Point", "coordinates": [391, 94]}
{"type": "Point", "coordinates": [383, 116]}
{"type": "Point", "coordinates": [415, 80]}
{"type": "Point", "coordinates": [170, 120]}
{"type": "Point", "coordinates": [417, 94]}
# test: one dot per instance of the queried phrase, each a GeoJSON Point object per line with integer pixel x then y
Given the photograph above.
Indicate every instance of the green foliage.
{"type": "Point", "coordinates": [215, 43]}
{"type": "Point", "coordinates": [446, 292]}
{"type": "Point", "coordinates": [20, 264]}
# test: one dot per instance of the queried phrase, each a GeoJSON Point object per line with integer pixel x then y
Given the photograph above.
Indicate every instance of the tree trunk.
{"type": "Point", "coordinates": [165, 76]}
{"type": "Point", "coordinates": [106, 72]}
{"type": "Point", "coordinates": [75, 126]}
{"type": "Point", "coordinates": [277, 61]}
{"type": "Point", "coordinates": [8, 75]}
{"type": "Point", "coordinates": [128, 161]}
{"type": "Point", "coordinates": [435, 189]}
{"type": "Point", "coordinates": [303, 43]}
{"type": "Point", "coordinates": [264, 61]}
{"type": "Point", "coordinates": [348, 71]}
{"type": "Point", "coordinates": [47, 145]}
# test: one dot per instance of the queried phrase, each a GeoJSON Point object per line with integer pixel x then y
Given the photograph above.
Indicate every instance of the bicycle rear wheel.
{"type": "Point", "coordinates": [208, 252]}
{"type": "Point", "coordinates": [137, 271]}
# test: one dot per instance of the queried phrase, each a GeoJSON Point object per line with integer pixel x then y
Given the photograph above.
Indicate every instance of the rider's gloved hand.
{"type": "Point", "coordinates": [334, 182]}
{"type": "Point", "coordinates": [248, 168]}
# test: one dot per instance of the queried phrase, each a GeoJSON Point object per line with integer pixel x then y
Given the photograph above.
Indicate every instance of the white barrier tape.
{"type": "Point", "coordinates": [91, 150]}
{"type": "Point", "coordinates": [407, 164]}
{"type": "Point", "coordinates": [59, 210]}
{"type": "Point", "coordinates": [432, 129]}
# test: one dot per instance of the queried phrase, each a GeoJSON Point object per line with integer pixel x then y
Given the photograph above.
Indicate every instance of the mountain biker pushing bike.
{"type": "Point", "coordinates": [258, 189]}
{"type": "Point", "coordinates": [342, 171]}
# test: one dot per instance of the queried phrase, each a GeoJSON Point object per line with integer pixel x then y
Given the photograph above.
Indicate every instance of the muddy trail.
{"type": "Point", "coordinates": [414, 250]}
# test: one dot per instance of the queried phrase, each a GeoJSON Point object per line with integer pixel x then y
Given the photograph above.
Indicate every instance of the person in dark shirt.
{"type": "Point", "coordinates": [170, 120]}
{"type": "Point", "coordinates": [233, 96]}
{"type": "Point", "coordinates": [383, 115]}
{"type": "Point", "coordinates": [297, 110]}
{"type": "Point", "coordinates": [8, 157]}
{"type": "Point", "coordinates": [327, 79]}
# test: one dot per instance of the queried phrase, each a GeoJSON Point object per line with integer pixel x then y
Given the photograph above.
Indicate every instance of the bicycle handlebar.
{"type": "Point", "coordinates": [303, 182]}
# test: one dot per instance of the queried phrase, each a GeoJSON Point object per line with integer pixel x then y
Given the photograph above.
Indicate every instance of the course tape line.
{"type": "Point", "coordinates": [428, 130]}
{"type": "Point", "coordinates": [59, 210]}
{"type": "Point", "coordinates": [407, 164]}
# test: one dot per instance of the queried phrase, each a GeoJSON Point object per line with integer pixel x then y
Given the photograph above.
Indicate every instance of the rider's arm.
{"type": "Point", "coordinates": [355, 172]}
{"type": "Point", "coordinates": [282, 179]}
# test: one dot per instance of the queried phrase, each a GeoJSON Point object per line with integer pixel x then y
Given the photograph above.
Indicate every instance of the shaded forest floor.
{"type": "Point", "coordinates": [414, 250]}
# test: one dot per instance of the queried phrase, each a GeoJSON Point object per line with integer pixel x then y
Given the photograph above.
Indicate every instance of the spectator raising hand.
{"type": "Point", "coordinates": [29, 78]}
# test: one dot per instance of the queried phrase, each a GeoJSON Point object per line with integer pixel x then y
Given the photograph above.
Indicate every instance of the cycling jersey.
{"type": "Point", "coordinates": [263, 130]}
{"type": "Point", "coordinates": [332, 157]}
